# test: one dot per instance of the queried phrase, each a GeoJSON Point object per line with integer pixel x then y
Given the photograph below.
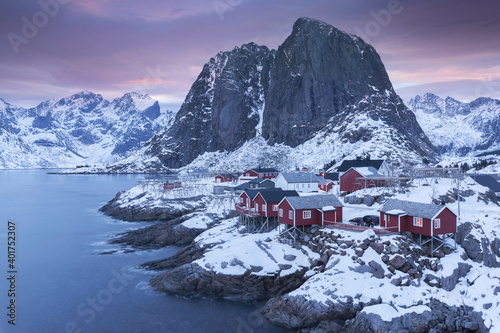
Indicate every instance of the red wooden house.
{"type": "Point", "coordinates": [259, 173]}
{"type": "Point", "coordinates": [246, 201]}
{"type": "Point", "coordinates": [359, 178]}
{"type": "Point", "coordinates": [309, 210]}
{"type": "Point", "coordinates": [172, 185]}
{"type": "Point", "coordinates": [266, 202]}
{"type": "Point", "coordinates": [325, 185]}
{"type": "Point", "coordinates": [418, 218]}
{"type": "Point", "coordinates": [225, 178]}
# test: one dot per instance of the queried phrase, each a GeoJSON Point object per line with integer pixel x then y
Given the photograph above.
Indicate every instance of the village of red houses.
{"type": "Point", "coordinates": [292, 201]}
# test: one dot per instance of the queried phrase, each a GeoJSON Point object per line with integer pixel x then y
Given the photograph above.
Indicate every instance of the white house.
{"type": "Point", "coordinates": [298, 181]}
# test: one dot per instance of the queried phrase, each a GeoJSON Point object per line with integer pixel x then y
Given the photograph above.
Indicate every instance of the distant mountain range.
{"type": "Point", "coordinates": [322, 96]}
{"type": "Point", "coordinates": [80, 129]}
{"type": "Point", "coordinates": [459, 129]}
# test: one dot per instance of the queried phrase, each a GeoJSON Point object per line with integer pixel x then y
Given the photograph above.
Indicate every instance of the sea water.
{"type": "Point", "coordinates": [60, 281]}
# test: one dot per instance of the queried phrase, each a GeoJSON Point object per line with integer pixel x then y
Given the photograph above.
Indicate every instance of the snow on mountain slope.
{"type": "Point", "coordinates": [80, 129]}
{"type": "Point", "coordinates": [456, 128]}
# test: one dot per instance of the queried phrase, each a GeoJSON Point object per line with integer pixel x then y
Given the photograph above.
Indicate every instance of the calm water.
{"type": "Point", "coordinates": [64, 285]}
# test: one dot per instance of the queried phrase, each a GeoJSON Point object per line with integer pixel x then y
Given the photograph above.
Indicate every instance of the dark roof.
{"type": "Point", "coordinates": [226, 175]}
{"type": "Point", "coordinates": [332, 176]}
{"type": "Point", "coordinates": [253, 192]}
{"type": "Point", "coordinates": [259, 180]}
{"type": "Point", "coordinates": [417, 209]}
{"type": "Point", "coordinates": [263, 170]}
{"type": "Point", "coordinates": [243, 186]}
{"type": "Point", "coordinates": [488, 181]}
{"type": "Point", "coordinates": [300, 177]}
{"type": "Point", "coordinates": [277, 196]}
{"type": "Point", "coordinates": [347, 164]}
{"type": "Point", "coordinates": [314, 201]}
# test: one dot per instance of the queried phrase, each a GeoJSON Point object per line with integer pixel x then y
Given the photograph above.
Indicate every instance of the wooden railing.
{"type": "Point", "coordinates": [246, 211]}
{"type": "Point", "coordinates": [353, 227]}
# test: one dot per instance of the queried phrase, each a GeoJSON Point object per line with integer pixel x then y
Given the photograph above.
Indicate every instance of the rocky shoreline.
{"type": "Point", "coordinates": [306, 286]}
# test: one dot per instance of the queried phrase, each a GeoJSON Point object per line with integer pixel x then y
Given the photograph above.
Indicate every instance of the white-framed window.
{"type": "Point", "coordinates": [306, 214]}
{"type": "Point", "coordinates": [437, 223]}
{"type": "Point", "coordinates": [275, 208]}
{"type": "Point", "coordinates": [264, 207]}
{"type": "Point", "coordinates": [385, 218]}
{"type": "Point", "coordinates": [281, 212]}
{"type": "Point", "coordinates": [418, 222]}
{"type": "Point", "coordinates": [257, 207]}
{"type": "Point", "coordinates": [248, 202]}
{"type": "Point", "coordinates": [241, 200]}
{"type": "Point", "coordinates": [290, 214]}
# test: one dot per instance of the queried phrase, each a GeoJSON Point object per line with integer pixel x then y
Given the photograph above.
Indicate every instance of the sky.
{"type": "Point", "coordinates": [55, 48]}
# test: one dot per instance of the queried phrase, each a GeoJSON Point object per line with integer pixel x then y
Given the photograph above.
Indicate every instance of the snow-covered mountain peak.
{"type": "Point", "coordinates": [79, 129]}
{"type": "Point", "coordinates": [458, 128]}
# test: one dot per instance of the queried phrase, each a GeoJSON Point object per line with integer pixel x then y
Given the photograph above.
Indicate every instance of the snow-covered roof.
{"type": "Point", "coordinates": [396, 212]}
{"type": "Point", "coordinates": [417, 209]}
{"type": "Point", "coordinates": [328, 208]}
{"type": "Point", "coordinates": [368, 172]}
{"type": "Point", "coordinates": [314, 201]}
{"type": "Point", "coordinates": [300, 177]}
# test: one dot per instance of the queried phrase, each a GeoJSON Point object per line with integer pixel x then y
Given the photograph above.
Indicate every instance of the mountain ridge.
{"type": "Point", "coordinates": [81, 128]}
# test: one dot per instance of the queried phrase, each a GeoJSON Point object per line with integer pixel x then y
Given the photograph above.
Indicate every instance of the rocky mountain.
{"type": "Point", "coordinates": [456, 128]}
{"type": "Point", "coordinates": [323, 91]}
{"type": "Point", "coordinates": [79, 129]}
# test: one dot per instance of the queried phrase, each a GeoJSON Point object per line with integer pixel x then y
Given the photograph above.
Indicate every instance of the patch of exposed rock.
{"type": "Point", "coordinates": [185, 256]}
{"type": "Point", "coordinates": [482, 250]}
{"type": "Point", "coordinates": [193, 280]}
{"type": "Point", "coordinates": [442, 318]}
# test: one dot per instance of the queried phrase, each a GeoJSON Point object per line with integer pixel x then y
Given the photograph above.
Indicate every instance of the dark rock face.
{"type": "Point", "coordinates": [192, 280]}
{"type": "Point", "coordinates": [158, 235]}
{"type": "Point", "coordinates": [319, 71]}
{"type": "Point", "coordinates": [221, 111]}
{"type": "Point", "coordinates": [317, 80]}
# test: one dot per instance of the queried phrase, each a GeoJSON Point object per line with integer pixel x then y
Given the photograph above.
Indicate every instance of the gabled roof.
{"type": "Point", "coordinates": [300, 177]}
{"type": "Point", "coordinates": [259, 180]}
{"type": "Point", "coordinates": [226, 175]}
{"type": "Point", "coordinates": [277, 196]}
{"type": "Point", "coordinates": [488, 181]}
{"type": "Point", "coordinates": [347, 164]}
{"type": "Point", "coordinates": [252, 193]}
{"type": "Point", "coordinates": [243, 186]}
{"type": "Point", "coordinates": [332, 176]}
{"type": "Point", "coordinates": [324, 181]}
{"type": "Point", "coordinates": [314, 201]}
{"type": "Point", "coordinates": [368, 172]}
{"type": "Point", "coordinates": [417, 209]}
{"type": "Point", "coordinates": [264, 170]}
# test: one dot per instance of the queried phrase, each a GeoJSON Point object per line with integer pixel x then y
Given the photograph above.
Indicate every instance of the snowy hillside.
{"type": "Point", "coordinates": [80, 129]}
{"type": "Point", "coordinates": [456, 128]}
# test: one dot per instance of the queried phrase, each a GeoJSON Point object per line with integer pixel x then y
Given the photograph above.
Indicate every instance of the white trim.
{"type": "Point", "coordinates": [304, 215]}
{"type": "Point", "coordinates": [290, 214]}
{"type": "Point", "coordinates": [436, 222]}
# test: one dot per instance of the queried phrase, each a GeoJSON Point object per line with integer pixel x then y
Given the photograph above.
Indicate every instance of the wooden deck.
{"type": "Point", "coordinates": [352, 227]}
{"type": "Point", "coordinates": [246, 211]}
